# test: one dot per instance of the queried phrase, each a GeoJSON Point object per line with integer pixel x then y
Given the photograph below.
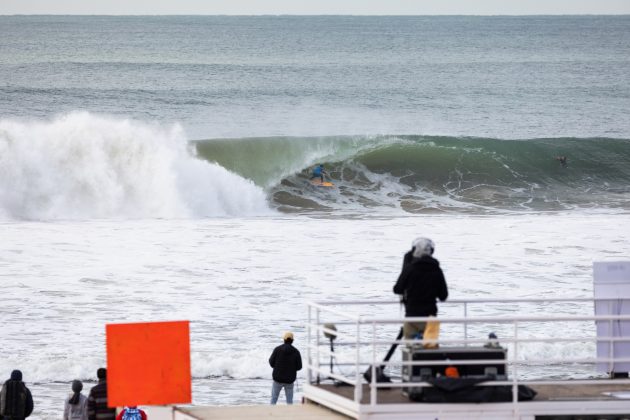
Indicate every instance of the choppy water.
{"type": "Point", "coordinates": [496, 77]}
{"type": "Point", "coordinates": [155, 168]}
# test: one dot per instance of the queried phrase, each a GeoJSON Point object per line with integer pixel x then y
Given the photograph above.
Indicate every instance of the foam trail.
{"type": "Point", "coordinates": [82, 166]}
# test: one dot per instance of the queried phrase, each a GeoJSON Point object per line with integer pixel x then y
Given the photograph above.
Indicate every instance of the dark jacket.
{"type": "Point", "coordinates": [285, 361]}
{"type": "Point", "coordinates": [16, 401]}
{"type": "Point", "coordinates": [97, 403]}
{"type": "Point", "coordinates": [421, 282]}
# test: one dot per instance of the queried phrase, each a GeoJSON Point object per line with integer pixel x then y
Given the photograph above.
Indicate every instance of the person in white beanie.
{"type": "Point", "coordinates": [420, 283]}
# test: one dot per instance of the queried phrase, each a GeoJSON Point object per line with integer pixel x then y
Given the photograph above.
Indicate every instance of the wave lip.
{"type": "Point", "coordinates": [82, 166]}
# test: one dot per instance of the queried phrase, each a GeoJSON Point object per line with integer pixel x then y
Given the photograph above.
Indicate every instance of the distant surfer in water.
{"type": "Point", "coordinates": [562, 160]}
{"type": "Point", "coordinates": [319, 172]}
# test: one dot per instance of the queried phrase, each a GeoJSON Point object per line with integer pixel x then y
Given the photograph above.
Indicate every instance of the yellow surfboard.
{"type": "Point", "coordinates": [319, 183]}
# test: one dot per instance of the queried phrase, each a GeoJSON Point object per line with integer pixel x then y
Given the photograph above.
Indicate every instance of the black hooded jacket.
{"type": "Point", "coordinates": [285, 361]}
{"type": "Point", "coordinates": [16, 401]}
{"type": "Point", "coordinates": [421, 282]}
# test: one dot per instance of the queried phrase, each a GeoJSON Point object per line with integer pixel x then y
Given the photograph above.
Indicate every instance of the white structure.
{"type": "Point", "coordinates": [611, 284]}
{"type": "Point", "coordinates": [565, 385]}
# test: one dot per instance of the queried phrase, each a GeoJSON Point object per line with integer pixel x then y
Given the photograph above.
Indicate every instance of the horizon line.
{"type": "Point", "coordinates": [316, 14]}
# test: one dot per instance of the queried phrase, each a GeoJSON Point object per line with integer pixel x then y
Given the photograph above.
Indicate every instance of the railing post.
{"type": "Point", "coordinates": [373, 367]}
{"type": "Point", "coordinates": [358, 385]}
{"type": "Point", "coordinates": [466, 324]}
{"type": "Point", "coordinates": [317, 344]}
{"type": "Point", "coordinates": [611, 349]}
{"type": "Point", "coordinates": [309, 372]}
{"type": "Point", "coordinates": [515, 372]}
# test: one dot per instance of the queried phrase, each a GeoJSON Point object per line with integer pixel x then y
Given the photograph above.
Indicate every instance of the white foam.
{"type": "Point", "coordinates": [239, 365]}
{"type": "Point", "coordinates": [82, 166]}
{"type": "Point", "coordinates": [243, 281]}
{"type": "Point", "coordinates": [60, 368]}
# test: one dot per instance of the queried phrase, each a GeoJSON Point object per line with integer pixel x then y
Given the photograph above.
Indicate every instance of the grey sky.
{"type": "Point", "coordinates": [308, 7]}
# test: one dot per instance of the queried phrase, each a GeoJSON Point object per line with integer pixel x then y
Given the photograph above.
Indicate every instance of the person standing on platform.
{"type": "Point", "coordinates": [285, 361]}
{"type": "Point", "coordinates": [421, 282]}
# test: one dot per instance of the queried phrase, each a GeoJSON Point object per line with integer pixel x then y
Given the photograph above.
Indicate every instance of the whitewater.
{"type": "Point", "coordinates": [156, 168]}
{"type": "Point", "coordinates": [243, 281]}
{"type": "Point", "coordinates": [85, 166]}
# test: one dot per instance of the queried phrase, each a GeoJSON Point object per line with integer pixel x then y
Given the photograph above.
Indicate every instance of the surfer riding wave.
{"type": "Point", "coordinates": [319, 172]}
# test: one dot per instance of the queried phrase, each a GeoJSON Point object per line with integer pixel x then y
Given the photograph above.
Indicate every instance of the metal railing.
{"type": "Point", "coordinates": [361, 341]}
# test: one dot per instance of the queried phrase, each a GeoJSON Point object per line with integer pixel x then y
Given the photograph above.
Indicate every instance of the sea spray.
{"type": "Point", "coordinates": [81, 166]}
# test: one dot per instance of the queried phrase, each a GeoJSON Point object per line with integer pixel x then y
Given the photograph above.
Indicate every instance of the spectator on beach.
{"type": "Point", "coordinates": [75, 407]}
{"type": "Point", "coordinates": [285, 361]}
{"type": "Point", "coordinates": [16, 401]}
{"type": "Point", "coordinates": [420, 283]}
{"type": "Point", "coordinates": [97, 401]}
{"type": "Point", "coordinates": [132, 413]}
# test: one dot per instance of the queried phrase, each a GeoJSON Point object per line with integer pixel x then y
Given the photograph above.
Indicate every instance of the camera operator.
{"type": "Point", "coordinates": [420, 283]}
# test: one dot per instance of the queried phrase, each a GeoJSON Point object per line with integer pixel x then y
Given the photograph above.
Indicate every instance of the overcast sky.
{"type": "Point", "coordinates": [309, 7]}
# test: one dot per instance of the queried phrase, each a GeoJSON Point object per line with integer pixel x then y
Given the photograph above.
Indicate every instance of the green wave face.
{"type": "Point", "coordinates": [268, 160]}
{"type": "Point", "coordinates": [432, 173]}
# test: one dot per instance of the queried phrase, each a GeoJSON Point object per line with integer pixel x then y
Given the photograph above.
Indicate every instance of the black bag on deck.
{"type": "Point", "coordinates": [380, 375]}
{"type": "Point", "coordinates": [446, 389]}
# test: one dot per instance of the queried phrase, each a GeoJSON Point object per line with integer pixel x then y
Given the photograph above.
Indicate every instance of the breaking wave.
{"type": "Point", "coordinates": [84, 166]}
{"type": "Point", "coordinates": [81, 166]}
{"type": "Point", "coordinates": [420, 174]}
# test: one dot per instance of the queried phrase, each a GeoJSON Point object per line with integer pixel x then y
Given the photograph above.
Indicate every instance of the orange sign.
{"type": "Point", "coordinates": [148, 363]}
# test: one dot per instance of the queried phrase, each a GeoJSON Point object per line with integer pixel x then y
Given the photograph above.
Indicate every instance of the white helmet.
{"type": "Point", "coordinates": [422, 246]}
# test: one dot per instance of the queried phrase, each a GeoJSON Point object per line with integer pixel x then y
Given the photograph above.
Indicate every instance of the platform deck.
{"type": "Point", "coordinates": [544, 393]}
{"type": "Point", "coordinates": [286, 412]}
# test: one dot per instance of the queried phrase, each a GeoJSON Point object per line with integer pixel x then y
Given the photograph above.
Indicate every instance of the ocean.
{"type": "Point", "coordinates": [156, 168]}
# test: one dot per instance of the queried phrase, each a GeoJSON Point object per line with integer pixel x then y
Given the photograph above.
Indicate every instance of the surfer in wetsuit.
{"type": "Point", "coordinates": [562, 160]}
{"type": "Point", "coordinates": [319, 172]}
